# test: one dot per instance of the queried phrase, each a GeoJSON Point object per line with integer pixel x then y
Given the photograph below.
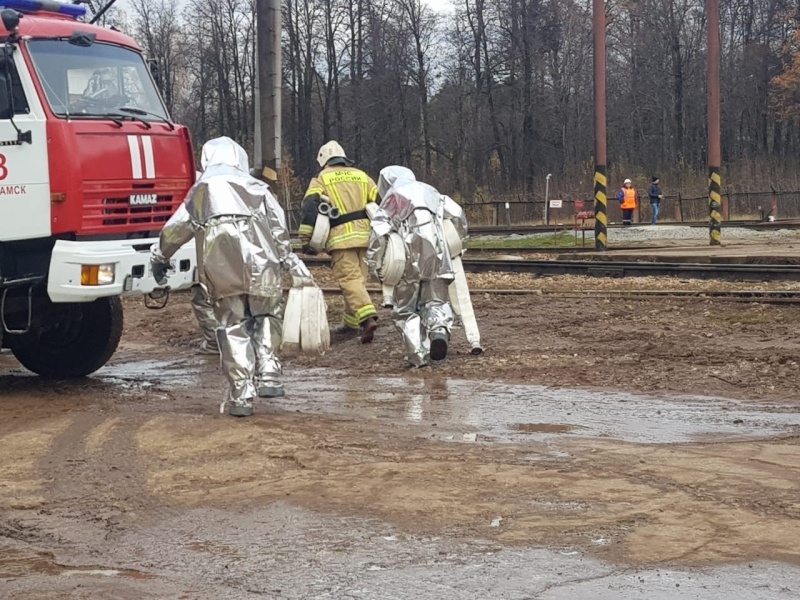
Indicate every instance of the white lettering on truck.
{"type": "Point", "coordinates": [143, 199]}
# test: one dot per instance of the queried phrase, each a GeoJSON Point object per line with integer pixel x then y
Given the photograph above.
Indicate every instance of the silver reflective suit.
{"type": "Point", "coordinates": [202, 306]}
{"type": "Point", "coordinates": [203, 309]}
{"type": "Point", "coordinates": [416, 211]}
{"type": "Point", "coordinates": [242, 244]}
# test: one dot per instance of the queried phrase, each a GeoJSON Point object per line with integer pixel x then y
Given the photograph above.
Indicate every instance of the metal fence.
{"type": "Point", "coordinates": [736, 206]}
{"type": "Point", "coordinates": [515, 210]}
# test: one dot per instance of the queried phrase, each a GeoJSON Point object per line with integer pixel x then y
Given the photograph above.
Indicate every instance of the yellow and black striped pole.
{"type": "Point", "coordinates": [600, 208]}
{"type": "Point", "coordinates": [714, 127]}
{"type": "Point", "coordinates": [600, 136]}
{"type": "Point", "coordinates": [715, 206]}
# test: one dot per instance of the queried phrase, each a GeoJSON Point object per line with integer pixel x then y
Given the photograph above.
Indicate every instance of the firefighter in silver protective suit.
{"type": "Point", "coordinates": [416, 211]}
{"type": "Point", "coordinates": [202, 306]}
{"type": "Point", "coordinates": [203, 309]}
{"type": "Point", "coordinates": [242, 245]}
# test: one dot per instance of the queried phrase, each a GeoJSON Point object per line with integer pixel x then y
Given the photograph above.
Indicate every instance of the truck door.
{"type": "Point", "coordinates": [24, 174]}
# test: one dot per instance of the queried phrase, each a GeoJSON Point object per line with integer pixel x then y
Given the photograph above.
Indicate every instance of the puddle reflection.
{"type": "Point", "coordinates": [517, 413]}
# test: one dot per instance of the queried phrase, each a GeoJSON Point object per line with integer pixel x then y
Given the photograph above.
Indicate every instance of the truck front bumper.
{"type": "Point", "coordinates": [131, 269]}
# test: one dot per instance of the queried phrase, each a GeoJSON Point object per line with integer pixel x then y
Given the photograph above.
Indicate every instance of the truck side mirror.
{"type": "Point", "coordinates": [6, 90]}
{"type": "Point", "coordinates": [10, 19]}
{"type": "Point", "coordinates": [5, 99]}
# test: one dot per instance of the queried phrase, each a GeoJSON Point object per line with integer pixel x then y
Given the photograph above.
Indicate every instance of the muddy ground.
{"type": "Point", "coordinates": [599, 449]}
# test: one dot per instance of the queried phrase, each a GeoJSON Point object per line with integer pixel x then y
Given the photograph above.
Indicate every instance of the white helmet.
{"type": "Point", "coordinates": [627, 181]}
{"type": "Point", "coordinates": [328, 151]}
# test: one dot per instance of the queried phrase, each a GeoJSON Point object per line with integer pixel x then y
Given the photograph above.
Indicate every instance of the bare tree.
{"type": "Point", "coordinates": [497, 94]}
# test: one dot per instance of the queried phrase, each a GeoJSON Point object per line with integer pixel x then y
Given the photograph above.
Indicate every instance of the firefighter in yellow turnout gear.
{"type": "Point", "coordinates": [349, 190]}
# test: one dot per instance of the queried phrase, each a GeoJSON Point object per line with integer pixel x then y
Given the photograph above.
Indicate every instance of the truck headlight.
{"type": "Point", "coordinates": [97, 274]}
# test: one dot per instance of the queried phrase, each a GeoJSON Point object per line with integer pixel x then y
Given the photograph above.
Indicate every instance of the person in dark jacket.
{"type": "Point", "coordinates": [655, 199]}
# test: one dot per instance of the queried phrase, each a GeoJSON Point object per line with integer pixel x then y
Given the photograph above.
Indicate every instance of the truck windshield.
{"type": "Point", "coordinates": [95, 80]}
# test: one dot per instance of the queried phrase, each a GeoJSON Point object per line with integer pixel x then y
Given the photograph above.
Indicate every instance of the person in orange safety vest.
{"type": "Point", "coordinates": [628, 201]}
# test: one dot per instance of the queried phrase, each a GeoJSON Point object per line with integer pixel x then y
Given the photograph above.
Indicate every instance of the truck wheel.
{"type": "Point", "coordinates": [75, 347]}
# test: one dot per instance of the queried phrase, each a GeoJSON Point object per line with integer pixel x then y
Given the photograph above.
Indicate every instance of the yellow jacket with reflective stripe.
{"type": "Point", "coordinates": [349, 190]}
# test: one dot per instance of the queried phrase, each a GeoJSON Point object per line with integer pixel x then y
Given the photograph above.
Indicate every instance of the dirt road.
{"type": "Point", "coordinates": [603, 450]}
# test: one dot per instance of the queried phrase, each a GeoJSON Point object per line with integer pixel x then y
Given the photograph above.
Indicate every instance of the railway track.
{"type": "Point", "coordinates": [510, 249]}
{"type": "Point", "coordinates": [505, 230]}
{"type": "Point", "coordinates": [746, 272]}
{"type": "Point", "coordinates": [749, 296]}
{"type": "Point", "coordinates": [742, 296]}
{"type": "Point", "coordinates": [755, 296]}
{"type": "Point", "coordinates": [552, 249]}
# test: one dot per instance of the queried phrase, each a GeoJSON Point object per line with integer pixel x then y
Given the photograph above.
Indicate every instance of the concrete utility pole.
{"type": "Point", "coordinates": [600, 159]}
{"type": "Point", "coordinates": [257, 156]}
{"type": "Point", "coordinates": [269, 80]}
{"type": "Point", "coordinates": [714, 135]}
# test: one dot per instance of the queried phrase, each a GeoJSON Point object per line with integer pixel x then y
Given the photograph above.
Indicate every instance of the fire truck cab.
{"type": "Point", "coordinates": [91, 167]}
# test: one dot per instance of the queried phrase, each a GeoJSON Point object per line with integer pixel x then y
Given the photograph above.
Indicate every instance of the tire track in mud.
{"type": "Point", "coordinates": [93, 512]}
{"type": "Point", "coordinates": [94, 462]}
{"type": "Point", "coordinates": [101, 516]}
{"type": "Point", "coordinates": [95, 498]}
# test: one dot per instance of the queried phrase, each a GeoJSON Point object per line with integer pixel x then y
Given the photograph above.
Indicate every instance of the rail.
{"type": "Point", "coordinates": [749, 272]}
{"type": "Point", "coordinates": [744, 296]}
{"type": "Point", "coordinates": [506, 230]}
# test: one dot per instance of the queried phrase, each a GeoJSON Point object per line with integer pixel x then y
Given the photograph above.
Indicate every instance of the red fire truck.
{"type": "Point", "coordinates": [91, 167]}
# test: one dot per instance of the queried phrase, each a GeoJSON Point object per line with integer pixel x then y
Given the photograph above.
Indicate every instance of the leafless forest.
{"type": "Point", "coordinates": [485, 99]}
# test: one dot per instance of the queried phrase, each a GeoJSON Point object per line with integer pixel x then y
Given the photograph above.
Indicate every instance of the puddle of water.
{"type": "Point", "coordinates": [134, 376]}
{"type": "Point", "coordinates": [150, 372]}
{"type": "Point", "coordinates": [291, 553]}
{"type": "Point", "coordinates": [500, 412]}
{"type": "Point", "coordinates": [480, 411]}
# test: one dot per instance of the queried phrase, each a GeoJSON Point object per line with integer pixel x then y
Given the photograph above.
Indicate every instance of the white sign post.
{"type": "Point", "coordinates": [546, 198]}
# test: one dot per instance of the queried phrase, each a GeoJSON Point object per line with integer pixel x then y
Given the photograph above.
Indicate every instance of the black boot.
{"type": "Point", "coordinates": [368, 328]}
{"type": "Point", "coordinates": [438, 345]}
